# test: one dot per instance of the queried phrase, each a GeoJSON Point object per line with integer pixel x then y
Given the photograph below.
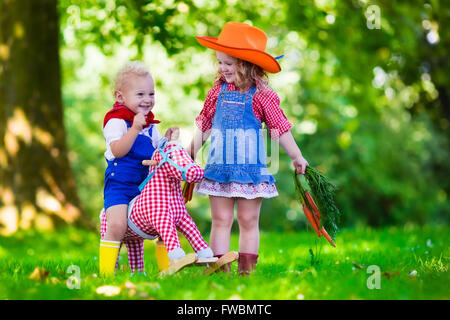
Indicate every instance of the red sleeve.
{"type": "Point", "coordinates": [268, 105]}
{"type": "Point", "coordinates": [204, 119]}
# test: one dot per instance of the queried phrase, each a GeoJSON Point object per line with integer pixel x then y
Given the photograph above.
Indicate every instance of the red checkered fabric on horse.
{"type": "Point", "coordinates": [160, 210]}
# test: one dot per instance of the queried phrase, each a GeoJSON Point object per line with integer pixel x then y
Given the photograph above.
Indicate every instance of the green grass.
{"type": "Point", "coordinates": [285, 269]}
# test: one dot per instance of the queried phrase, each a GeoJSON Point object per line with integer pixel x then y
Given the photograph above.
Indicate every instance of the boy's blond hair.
{"type": "Point", "coordinates": [136, 68]}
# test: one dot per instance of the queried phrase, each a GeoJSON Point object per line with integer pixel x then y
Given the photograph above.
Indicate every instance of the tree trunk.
{"type": "Point", "coordinates": [37, 189]}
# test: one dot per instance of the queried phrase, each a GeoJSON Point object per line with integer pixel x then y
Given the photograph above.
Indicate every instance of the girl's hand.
{"type": "Point", "coordinates": [300, 165]}
{"type": "Point", "coordinates": [139, 122]}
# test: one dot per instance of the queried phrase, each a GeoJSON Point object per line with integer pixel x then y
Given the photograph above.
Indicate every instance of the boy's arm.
{"type": "Point", "coordinates": [173, 133]}
{"type": "Point", "coordinates": [121, 147]}
{"type": "Point", "coordinates": [289, 145]}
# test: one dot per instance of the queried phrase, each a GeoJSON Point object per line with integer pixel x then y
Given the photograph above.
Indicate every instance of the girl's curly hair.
{"type": "Point", "coordinates": [246, 75]}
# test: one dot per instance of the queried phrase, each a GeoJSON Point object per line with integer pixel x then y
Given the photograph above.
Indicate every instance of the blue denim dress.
{"type": "Point", "coordinates": [236, 152]}
{"type": "Point", "coordinates": [124, 175]}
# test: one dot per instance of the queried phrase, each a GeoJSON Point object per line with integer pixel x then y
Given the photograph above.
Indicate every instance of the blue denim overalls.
{"type": "Point", "coordinates": [124, 175]}
{"type": "Point", "coordinates": [236, 152]}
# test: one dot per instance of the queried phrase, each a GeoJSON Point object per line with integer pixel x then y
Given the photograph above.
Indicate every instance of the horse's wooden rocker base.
{"type": "Point", "coordinates": [177, 265]}
{"type": "Point", "coordinates": [212, 264]}
{"type": "Point", "coordinates": [205, 261]}
{"type": "Point", "coordinates": [225, 259]}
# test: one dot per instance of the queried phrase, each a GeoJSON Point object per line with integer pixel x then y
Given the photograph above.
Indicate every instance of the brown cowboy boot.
{"type": "Point", "coordinates": [226, 268]}
{"type": "Point", "coordinates": [246, 263]}
{"type": "Point", "coordinates": [224, 263]}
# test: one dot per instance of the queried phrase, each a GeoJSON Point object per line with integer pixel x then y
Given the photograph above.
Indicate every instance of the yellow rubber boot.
{"type": "Point", "coordinates": [109, 250]}
{"type": "Point", "coordinates": [161, 256]}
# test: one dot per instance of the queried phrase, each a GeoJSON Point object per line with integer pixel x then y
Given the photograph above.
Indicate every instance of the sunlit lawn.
{"type": "Point", "coordinates": [413, 264]}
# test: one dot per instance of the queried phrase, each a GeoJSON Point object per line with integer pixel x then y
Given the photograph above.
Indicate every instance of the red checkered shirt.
{"type": "Point", "coordinates": [266, 107]}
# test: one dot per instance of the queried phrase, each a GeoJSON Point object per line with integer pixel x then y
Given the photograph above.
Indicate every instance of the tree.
{"type": "Point", "coordinates": [36, 184]}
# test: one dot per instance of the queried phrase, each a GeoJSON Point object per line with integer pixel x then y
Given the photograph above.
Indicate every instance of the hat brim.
{"type": "Point", "coordinates": [260, 58]}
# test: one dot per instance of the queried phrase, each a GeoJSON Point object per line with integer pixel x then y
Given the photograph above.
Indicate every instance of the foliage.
{"type": "Point", "coordinates": [413, 264]}
{"type": "Point", "coordinates": [368, 105]}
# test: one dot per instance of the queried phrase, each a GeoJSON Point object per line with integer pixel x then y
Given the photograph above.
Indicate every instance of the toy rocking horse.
{"type": "Point", "coordinates": [159, 211]}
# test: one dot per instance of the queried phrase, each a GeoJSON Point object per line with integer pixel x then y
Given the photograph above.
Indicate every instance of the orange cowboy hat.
{"type": "Point", "coordinates": [245, 42]}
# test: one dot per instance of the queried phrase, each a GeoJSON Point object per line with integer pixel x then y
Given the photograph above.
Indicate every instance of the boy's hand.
{"type": "Point", "coordinates": [172, 133]}
{"type": "Point", "coordinates": [139, 122]}
{"type": "Point", "coordinates": [300, 165]}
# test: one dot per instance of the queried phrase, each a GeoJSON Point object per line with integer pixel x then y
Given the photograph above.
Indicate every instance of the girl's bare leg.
{"type": "Point", "coordinates": [222, 213]}
{"type": "Point", "coordinates": [248, 219]}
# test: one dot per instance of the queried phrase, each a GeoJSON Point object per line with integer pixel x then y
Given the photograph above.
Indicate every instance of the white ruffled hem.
{"type": "Point", "coordinates": [236, 190]}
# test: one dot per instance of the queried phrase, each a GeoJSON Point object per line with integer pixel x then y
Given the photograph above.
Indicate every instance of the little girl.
{"type": "Point", "coordinates": [236, 172]}
{"type": "Point", "coordinates": [131, 136]}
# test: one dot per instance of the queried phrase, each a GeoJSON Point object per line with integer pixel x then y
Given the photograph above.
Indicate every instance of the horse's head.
{"type": "Point", "coordinates": [176, 162]}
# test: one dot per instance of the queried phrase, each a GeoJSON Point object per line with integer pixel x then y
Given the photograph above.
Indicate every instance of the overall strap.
{"type": "Point", "coordinates": [223, 87]}
{"type": "Point", "coordinates": [252, 90]}
{"type": "Point", "coordinates": [128, 123]}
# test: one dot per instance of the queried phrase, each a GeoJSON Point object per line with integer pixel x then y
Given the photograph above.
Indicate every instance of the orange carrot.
{"type": "Point", "coordinates": [325, 234]}
{"type": "Point", "coordinates": [311, 220]}
{"type": "Point", "coordinates": [313, 205]}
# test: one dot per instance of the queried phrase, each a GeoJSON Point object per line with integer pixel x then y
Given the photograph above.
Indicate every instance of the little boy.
{"type": "Point", "coordinates": [131, 136]}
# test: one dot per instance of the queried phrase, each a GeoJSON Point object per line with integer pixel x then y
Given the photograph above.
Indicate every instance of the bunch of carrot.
{"type": "Point", "coordinates": [314, 185]}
